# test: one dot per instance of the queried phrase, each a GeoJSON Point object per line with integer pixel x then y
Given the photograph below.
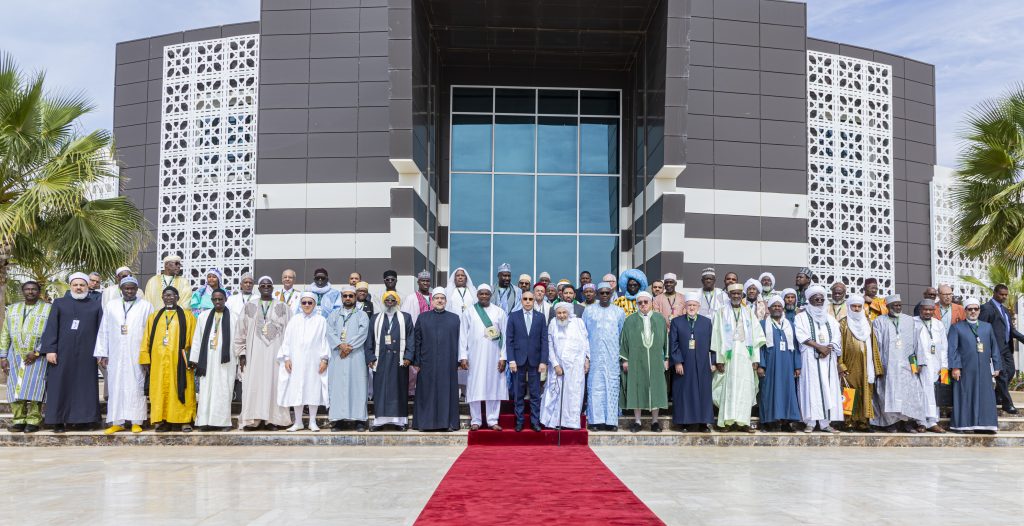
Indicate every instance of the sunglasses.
{"type": "Point", "coordinates": [308, 302]}
{"type": "Point", "coordinates": [527, 299]}
{"type": "Point", "coordinates": [642, 302]}
{"type": "Point", "coordinates": [348, 295]}
{"type": "Point", "coordinates": [972, 308]}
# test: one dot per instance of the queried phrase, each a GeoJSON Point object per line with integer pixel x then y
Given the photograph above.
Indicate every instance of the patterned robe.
{"type": "Point", "coordinates": [19, 337]}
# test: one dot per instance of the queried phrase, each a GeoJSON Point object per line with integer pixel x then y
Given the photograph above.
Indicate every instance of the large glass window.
{"type": "Point", "coordinates": [535, 178]}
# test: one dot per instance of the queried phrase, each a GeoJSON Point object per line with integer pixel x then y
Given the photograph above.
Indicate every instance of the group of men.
{"type": "Point", "coordinates": [174, 356]}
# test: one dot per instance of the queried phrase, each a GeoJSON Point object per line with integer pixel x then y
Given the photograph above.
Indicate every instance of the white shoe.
{"type": "Point", "coordinates": [809, 429]}
{"type": "Point", "coordinates": [297, 426]}
{"type": "Point", "coordinates": [313, 427]}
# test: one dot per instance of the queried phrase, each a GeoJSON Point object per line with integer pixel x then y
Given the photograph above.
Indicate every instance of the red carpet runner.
{"type": "Point", "coordinates": [533, 484]}
{"type": "Point", "coordinates": [526, 437]}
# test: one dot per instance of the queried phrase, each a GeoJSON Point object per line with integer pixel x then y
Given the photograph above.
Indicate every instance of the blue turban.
{"type": "Point", "coordinates": [631, 274]}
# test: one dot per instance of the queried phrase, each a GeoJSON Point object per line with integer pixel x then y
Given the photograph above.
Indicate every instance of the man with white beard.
{"type": "Point", "coordinates": [820, 347]}
{"type": "Point", "coordinates": [482, 353]}
{"type": "Point", "coordinates": [117, 350]}
{"type": "Point", "coordinates": [569, 356]}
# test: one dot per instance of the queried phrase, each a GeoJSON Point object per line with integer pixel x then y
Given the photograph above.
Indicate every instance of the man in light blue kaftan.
{"type": "Point", "coordinates": [604, 324]}
{"type": "Point", "coordinates": [347, 374]}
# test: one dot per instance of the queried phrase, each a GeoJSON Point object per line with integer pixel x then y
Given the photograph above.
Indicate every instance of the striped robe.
{"type": "Point", "coordinates": [20, 336]}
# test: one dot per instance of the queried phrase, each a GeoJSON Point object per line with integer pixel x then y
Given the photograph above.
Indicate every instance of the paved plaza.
{"type": "Point", "coordinates": [390, 485]}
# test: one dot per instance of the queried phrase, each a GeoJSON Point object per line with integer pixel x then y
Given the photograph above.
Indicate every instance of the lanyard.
{"type": "Point", "coordinates": [671, 303]}
{"type": "Point", "coordinates": [390, 323]}
{"type": "Point", "coordinates": [736, 315]}
{"type": "Point", "coordinates": [246, 298]}
{"type": "Point", "coordinates": [167, 323]}
{"type": "Point", "coordinates": [216, 324]}
{"type": "Point", "coordinates": [895, 323]}
{"type": "Point", "coordinates": [319, 297]}
{"type": "Point", "coordinates": [265, 307]}
{"type": "Point", "coordinates": [462, 295]}
{"type": "Point", "coordinates": [928, 330]}
{"type": "Point", "coordinates": [836, 309]}
{"type": "Point", "coordinates": [165, 282]}
{"type": "Point", "coordinates": [127, 310]}
{"type": "Point", "coordinates": [974, 329]}
{"type": "Point", "coordinates": [708, 297]}
{"type": "Point", "coordinates": [288, 299]}
{"type": "Point", "coordinates": [345, 317]}
{"type": "Point", "coordinates": [779, 327]}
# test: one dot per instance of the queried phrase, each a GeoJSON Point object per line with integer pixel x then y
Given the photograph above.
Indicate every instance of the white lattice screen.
{"type": "Point", "coordinates": [208, 155]}
{"type": "Point", "coordinates": [849, 162]}
{"type": "Point", "coordinates": [948, 263]}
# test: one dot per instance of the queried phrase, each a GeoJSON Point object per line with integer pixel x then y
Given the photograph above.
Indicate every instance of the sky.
{"type": "Point", "coordinates": [974, 44]}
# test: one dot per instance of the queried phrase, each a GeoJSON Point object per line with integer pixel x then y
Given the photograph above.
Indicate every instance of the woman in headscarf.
{"type": "Point", "coordinates": [569, 361]}
{"type": "Point", "coordinates": [460, 291]}
{"type": "Point", "coordinates": [860, 362]}
{"type": "Point", "coordinates": [631, 282]}
{"type": "Point", "coordinates": [202, 298]}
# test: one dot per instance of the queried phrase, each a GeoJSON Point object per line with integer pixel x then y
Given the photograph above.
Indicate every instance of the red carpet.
{"type": "Point", "coordinates": [526, 437]}
{"type": "Point", "coordinates": [529, 485]}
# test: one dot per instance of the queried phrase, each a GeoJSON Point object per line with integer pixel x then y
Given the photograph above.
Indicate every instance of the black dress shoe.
{"type": "Point", "coordinates": [400, 428]}
{"type": "Point", "coordinates": [360, 426]}
{"type": "Point", "coordinates": [635, 427]}
{"type": "Point", "coordinates": [535, 427]}
{"type": "Point", "coordinates": [29, 428]}
{"type": "Point", "coordinates": [656, 426]}
{"type": "Point", "coordinates": [613, 429]}
{"type": "Point", "coordinates": [59, 428]}
{"type": "Point", "coordinates": [162, 427]}
{"type": "Point", "coordinates": [16, 428]}
{"type": "Point", "coordinates": [1011, 410]}
{"type": "Point", "coordinates": [519, 427]}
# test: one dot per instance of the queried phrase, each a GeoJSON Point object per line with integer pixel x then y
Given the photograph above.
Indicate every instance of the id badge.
{"type": "Point", "coordinates": [344, 333]}
{"type": "Point", "coordinates": [899, 342]}
{"type": "Point", "coordinates": [124, 329]}
{"type": "Point", "coordinates": [166, 341]}
{"type": "Point", "coordinates": [74, 325]}
{"type": "Point", "coordinates": [933, 349]}
{"type": "Point", "coordinates": [387, 339]}
{"type": "Point", "coordinates": [981, 346]}
{"type": "Point", "coordinates": [693, 343]}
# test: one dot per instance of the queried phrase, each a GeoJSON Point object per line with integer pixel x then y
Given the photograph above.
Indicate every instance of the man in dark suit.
{"type": "Point", "coordinates": [527, 350]}
{"type": "Point", "coordinates": [996, 314]}
{"type": "Point", "coordinates": [568, 295]}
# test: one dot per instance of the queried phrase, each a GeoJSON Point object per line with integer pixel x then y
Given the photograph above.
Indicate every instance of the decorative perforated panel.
{"type": "Point", "coordinates": [948, 263]}
{"type": "Point", "coordinates": [849, 162]}
{"type": "Point", "coordinates": [208, 156]}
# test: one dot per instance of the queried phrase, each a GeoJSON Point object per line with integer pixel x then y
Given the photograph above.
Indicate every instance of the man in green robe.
{"type": "Point", "coordinates": [736, 340]}
{"type": "Point", "coordinates": [643, 351]}
{"type": "Point", "coordinates": [20, 359]}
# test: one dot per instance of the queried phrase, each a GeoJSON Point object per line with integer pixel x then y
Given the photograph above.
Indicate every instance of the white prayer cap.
{"type": "Point", "coordinates": [78, 275]}
{"type": "Point", "coordinates": [972, 302]}
{"type": "Point", "coordinates": [814, 290]}
{"type": "Point", "coordinates": [734, 286]}
{"type": "Point", "coordinates": [564, 305]}
{"type": "Point", "coordinates": [348, 288]}
{"type": "Point", "coordinates": [644, 294]}
{"type": "Point", "coordinates": [669, 276]}
{"type": "Point", "coordinates": [483, 286]}
{"type": "Point", "coordinates": [122, 269]}
{"type": "Point", "coordinates": [268, 278]}
{"type": "Point", "coordinates": [172, 257]}
{"type": "Point", "coordinates": [787, 291]}
{"type": "Point", "coordinates": [855, 299]}
{"type": "Point", "coordinates": [752, 283]}
{"type": "Point", "coordinates": [128, 279]}
{"type": "Point", "coordinates": [307, 294]}
{"type": "Point", "coordinates": [768, 275]}
{"type": "Point", "coordinates": [525, 277]}
{"type": "Point", "coordinates": [604, 285]}
{"type": "Point", "coordinates": [692, 296]}
{"type": "Point", "coordinates": [710, 271]}
{"type": "Point", "coordinates": [438, 291]}
{"type": "Point", "coordinates": [775, 299]}
{"type": "Point", "coordinates": [895, 298]}
{"type": "Point", "coordinates": [504, 267]}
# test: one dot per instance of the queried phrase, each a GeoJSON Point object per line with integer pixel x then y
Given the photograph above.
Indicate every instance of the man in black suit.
{"type": "Point", "coordinates": [995, 313]}
{"type": "Point", "coordinates": [527, 350]}
{"type": "Point", "coordinates": [568, 295]}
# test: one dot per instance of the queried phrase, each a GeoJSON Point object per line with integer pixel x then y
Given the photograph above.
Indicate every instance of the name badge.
{"type": "Point", "coordinates": [981, 346]}
{"type": "Point", "coordinates": [166, 341]}
{"type": "Point", "coordinates": [933, 349]}
{"type": "Point", "coordinates": [387, 339]}
{"type": "Point", "coordinates": [344, 334]}
{"type": "Point", "coordinates": [693, 343]}
{"type": "Point", "coordinates": [74, 325]}
{"type": "Point", "coordinates": [124, 329]}
{"type": "Point", "coordinates": [899, 342]}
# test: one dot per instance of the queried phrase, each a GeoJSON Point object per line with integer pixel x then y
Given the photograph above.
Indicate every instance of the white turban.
{"type": "Point", "coordinates": [644, 294]}
{"type": "Point", "coordinates": [78, 275]}
{"type": "Point", "coordinates": [775, 299]}
{"type": "Point", "coordinates": [438, 291]}
{"type": "Point", "coordinates": [787, 291]}
{"type": "Point", "coordinates": [483, 286]}
{"type": "Point", "coordinates": [855, 299]}
{"type": "Point", "coordinates": [972, 302]}
{"type": "Point", "coordinates": [172, 257]}
{"type": "Point", "coordinates": [814, 290]}
{"type": "Point", "coordinates": [692, 296]}
{"type": "Point", "coordinates": [566, 306]}
{"type": "Point", "coordinates": [768, 275]}
{"type": "Point", "coordinates": [122, 269]}
{"type": "Point", "coordinates": [752, 283]}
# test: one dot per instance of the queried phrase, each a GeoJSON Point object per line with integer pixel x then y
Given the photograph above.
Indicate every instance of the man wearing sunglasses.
{"type": "Point", "coordinates": [347, 374]}
{"type": "Point", "coordinates": [974, 360]}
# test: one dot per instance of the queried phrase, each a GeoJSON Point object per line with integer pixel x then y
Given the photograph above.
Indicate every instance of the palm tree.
{"type": "Point", "coordinates": [990, 182]}
{"type": "Point", "coordinates": [1000, 273]}
{"type": "Point", "coordinates": [46, 170]}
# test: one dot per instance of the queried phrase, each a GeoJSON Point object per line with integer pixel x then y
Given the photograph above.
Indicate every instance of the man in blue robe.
{"type": "Point", "coordinates": [327, 299]}
{"type": "Point", "coordinates": [974, 361]}
{"type": "Point", "coordinates": [778, 370]}
{"type": "Point", "coordinates": [436, 353]}
{"type": "Point", "coordinates": [692, 362]}
{"type": "Point", "coordinates": [604, 324]}
{"type": "Point", "coordinates": [507, 296]}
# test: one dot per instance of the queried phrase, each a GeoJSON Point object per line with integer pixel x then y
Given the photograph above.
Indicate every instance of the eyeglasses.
{"type": "Point", "coordinates": [527, 299]}
{"type": "Point", "coordinates": [307, 302]}
{"type": "Point", "coordinates": [348, 295]}
{"type": "Point", "coordinates": [971, 309]}
{"type": "Point", "coordinates": [642, 302]}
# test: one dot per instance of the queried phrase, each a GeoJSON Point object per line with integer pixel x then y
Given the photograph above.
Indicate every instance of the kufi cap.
{"type": "Point", "coordinates": [806, 272]}
{"type": "Point", "coordinates": [438, 291]}
{"type": "Point", "coordinates": [543, 275]}
{"type": "Point", "coordinates": [526, 277]}
{"type": "Point", "coordinates": [348, 288]}
{"type": "Point", "coordinates": [734, 286]}
{"type": "Point", "coordinates": [644, 294]}
{"type": "Point", "coordinates": [483, 286]}
{"type": "Point", "coordinates": [710, 271]}
{"type": "Point", "coordinates": [423, 274]}
{"type": "Point", "coordinates": [504, 267]}
{"type": "Point", "coordinates": [604, 285]}
{"type": "Point", "coordinates": [589, 286]}
{"type": "Point", "coordinates": [307, 294]}
{"type": "Point", "coordinates": [550, 285]}
{"type": "Point", "coordinates": [268, 278]}
{"type": "Point", "coordinates": [362, 285]}
{"type": "Point", "coordinates": [122, 269]}
{"type": "Point", "coordinates": [564, 305]}
{"type": "Point", "coordinates": [927, 302]}
{"type": "Point", "coordinates": [895, 298]}
{"type": "Point", "coordinates": [692, 296]}
{"type": "Point", "coordinates": [669, 276]}
{"type": "Point", "coordinates": [128, 279]}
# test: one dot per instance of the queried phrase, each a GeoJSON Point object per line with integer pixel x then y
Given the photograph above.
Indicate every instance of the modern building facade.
{"type": "Point", "coordinates": [668, 135]}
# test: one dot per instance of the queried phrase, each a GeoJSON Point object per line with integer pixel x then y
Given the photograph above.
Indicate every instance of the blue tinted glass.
{"type": "Point", "coordinates": [600, 254]}
{"type": "Point", "coordinates": [556, 255]}
{"type": "Point", "coordinates": [471, 143]}
{"type": "Point", "coordinates": [472, 252]}
{"type": "Point", "coordinates": [513, 144]}
{"type": "Point", "coordinates": [556, 145]}
{"type": "Point", "coordinates": [513, 203]}
{"type": "Point", "coordinates": [477, 100]}
{"type": "Point", "coordinates": [599, 146]}
{"type": "Point", "coordinates": [556, 203]}
{"type": "Point", "coordinates": [599, 207]}
{"type": "Point", "coordinates": [517, 251]}
{"type": "Point", "coordinates": [471, 202]}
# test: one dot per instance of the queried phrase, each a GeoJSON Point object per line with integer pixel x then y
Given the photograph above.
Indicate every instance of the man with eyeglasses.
{"type": "Point", "coordinates": [527, 350]}
{"type": "Point", "coordinates": [604, 325]}
{"type": "Point", "coordinates": [525, 283]}
{"type": "Point", "coordinates": [995, 312]}
{"type": "Point", "coordinates": [930, 293]}
{"type": "Point", "coordinates": [257, 341]}
{"type": "Point", "coordinates": [644, 359]}
{"type": "Point", "coordinates": [946, 311]}
{"type": "Point", "coordinates": [974, 361]}
{"type": "Point", "coordinates": [901, 402]}
{"type": "Point", "coordinates": [347, 376]}
{"type": "Point", "coordinates": [326, 296]}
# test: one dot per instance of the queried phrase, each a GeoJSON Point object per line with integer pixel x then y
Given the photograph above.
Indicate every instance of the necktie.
{"type": "Point", "coordinates": [529, 318]}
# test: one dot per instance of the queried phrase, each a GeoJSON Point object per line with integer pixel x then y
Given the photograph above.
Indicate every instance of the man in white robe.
{"type": "Point", "coordinates": [302, 380]}
{"type": "Point", "coordinates": [258, 338]}
{"type": "Point", "coordinates": [461, 295]}
{"type": "Point", "coordinates": [117, 352]}
{"type": "Point", "coordinates": [900, 402]}
{"type": "Point", "coordinates": [932, 348]}
{"type": "Point", "coordinates": [236, 303]}
{"type": "Point", "coordinates": [482, 354]}
{"type": "Point", "coordinates": [821, 344]}
{"type": "Point", "coordinates": [711, 297]}
{"type": "Point", "coordinates": [569, 358]}
{"type": "Point", "coordinates": [736, 339]}
{"type": "Point", "coordinates": [113, 292]}
{"type": "Point", "coordinates": [215, 364]}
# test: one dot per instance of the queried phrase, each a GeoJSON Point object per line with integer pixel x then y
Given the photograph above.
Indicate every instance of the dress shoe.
{"type": "Point", "coordinates": [59, 428]}
{"type": "Point", "coordinates": [400, 428]}
{"type": "Point", "coordinates": [535, 427]}
{"type": "Point", "coordinates": [656, 426]}
{"type": "Point", "coordinates": [16, 428]}
{"type": "Point", "coordinates": [162, 427]}
{"type": "Point", "coordinates": [186, 428]}
{"type": "Point", "coordinates": [1011, 410]}
{"type": "Point", "coordinates": [635, 427]}
{"type": "Point", "coordinates": [360, 426]}
{"type": "Point", "coordinates": [336, 427]}
{"type": "Point", "coordinates": [613, 429]}
{"type": "Point", "coordinates": [936, 429]}
{"type": "Point", "coordinates": [29, 428]}
{"type": "Point", "coordinates": [136, 428]}
{"type": "Point", "coordinates": [376, 429]}
{"type": "Point", "coordinates": [113, 429]}
{"type": "Point", "coordinates": [592, 427]}
{"type": "Point", "coordinates": [519, 427]}
{"type": "Point", "coordinates": [495, 427]}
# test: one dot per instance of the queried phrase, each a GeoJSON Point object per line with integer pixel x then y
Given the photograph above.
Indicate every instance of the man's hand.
{"type": "Point", "coordinates": [5, 365]}
{"type": "Point", "coordinates": [52, 358]}
{"type": "Point", "coordinates": [586, 365]}
{"type": "Point", "coordinates": [666, 365]}
{"type": "Point", "coordinates": [102, 362]}
{"type": "Point", "coordinates": [542, 368]}
{"type": "Point", "coordinates": [193, 365]}
{"type": "Point", "coordinates": [288, 366]}
{"type": "Point", "coordinates": [760, 371]}
{"type": "Point", "coordinates": [796, 373]}
{"type": "Point", "coordinates": [323, 367]}
{"type": "Point", "coordinates": [679, 369]}
{"type": "Point", "coordinates": [558, 370]}
{"type": "Point", "coordinates": [345, 350]}
{"type": "Point", "coordinates": [464, 364]}
{"type": "Point", "coordinates": [406, 363]}
{"type": "Point", "coordinates": [995, 374]}
{"type": "Point", "coordinates": [512, 367]}
{"type": "Point", "coordinates": [720, 367]}
{"type": "Point", "coordinates": [625, 367]}
{"type": "Point", "coordinates": [30, 358]}
{"type": "Point", "coordinates": [241, 363]}
{"type": "Point", "coordinates": [501, 366]}
{"type": "Point", "coordinates": [956, 374]}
